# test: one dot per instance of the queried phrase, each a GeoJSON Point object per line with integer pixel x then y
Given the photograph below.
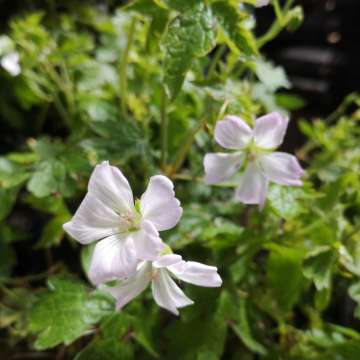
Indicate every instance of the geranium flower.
{"type": "Point", "coordinates": [255, 156]}
{"type": "Point", "coordinates": [160, 273]}
{"type": "Point", "coordinates": [127, 232]}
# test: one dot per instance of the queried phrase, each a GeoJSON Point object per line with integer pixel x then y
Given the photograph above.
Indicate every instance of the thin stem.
{"type": "Point", "coordinates": [180, 158]}
{"type": "Point", "coordinates": [271, 34]}
{"type": "Point", "coordinates": [164, 129]}
{"type": "Point", "coordinates": [278, 24]}
{"type": "Point", "coordinates": [36, 277]}
{"type": "Point", "coordinates": [217, 56]}
{"type": "Point", "coordinates": [342, 108]}
{"type": "Point", "coordinates": [278, 11]}
{"type": "Point", "coordinates": [123, 67]}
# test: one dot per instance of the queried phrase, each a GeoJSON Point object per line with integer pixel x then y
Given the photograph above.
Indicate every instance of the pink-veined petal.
{"type": "Point", "coordinates": [269, 130]}
{"type": "Point", "coordinates": [113, 258]}
{"type": "Point", "coordinates": [92, 221]}
{"type": "Point", "coordinates": [167, 260]}
{"type": "Point", "coordinates": [131, 287]}
{"type": "Point", "coordinates": [159, 205]}
{"type": "Point", "coordinates": [220, 166]}
{"type": "Point", "coordinates": [110, 186]}
{"type": "Point", "coordinates": [147, 242]}
{"type": "Point", "coordinates": [253, 186]}
{"type": "Point", "coordinates": [196, 273]}
{"type": "Point", "coordinates": [167, 294]}
{"type": "Point", "coordinates": [282, 168]}
{"type": "Point", "coordinates": [232, 133]}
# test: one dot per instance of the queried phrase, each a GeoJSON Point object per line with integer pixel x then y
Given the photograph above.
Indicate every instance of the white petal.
{"type": "Point", "coordinates": [167, 294]}
{"type": "Point", "coordinates": [113, 258]}
{"type": "Point", "coordinates": [269, 130]}
{"type": "Point", "coordinates": [147, 242]}
{"type": "Point", "coordinates": [232, 133]}
{"type": "Point", "coordinates": [220, 166]}
{"type": "Point", "coordinates": [196, 273]}
{"type": "Point", "coordinates": [282, 168]}
{"type": "Point", "coordinates": [167, 260]}
{"type": "Point", "coordinates": [253, 186]}
{"type": "Point", "coordinates": [10, 63]}
{"type": "Point", "coordinates": [159, 205]}
{"type": "Point", "coordinates": [92, 221]}
{"type": "Point", "coordinates": [132, 287]}
{"type": "Point", "coordinates": [110, 186]}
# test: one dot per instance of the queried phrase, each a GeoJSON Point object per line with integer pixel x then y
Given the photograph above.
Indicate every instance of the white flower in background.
{"type": "Point", "coordinates": [255, 155]}
{"type": "Point", "coordinates": [127, 232]}
{"type": "Point", "coordinates": [261, 3]}
{"type": "Point", "coordinates": [10, 62]}
{"type": "Point", "coordinates": [160, 273]}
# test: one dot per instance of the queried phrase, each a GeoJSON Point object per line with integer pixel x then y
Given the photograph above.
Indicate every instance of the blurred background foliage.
{"type": "Point", "coordinates": [142, 84]}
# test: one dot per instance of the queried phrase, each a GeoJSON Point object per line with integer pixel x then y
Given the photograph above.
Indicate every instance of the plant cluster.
{"type": "Point", "coordinates": [143, 86]}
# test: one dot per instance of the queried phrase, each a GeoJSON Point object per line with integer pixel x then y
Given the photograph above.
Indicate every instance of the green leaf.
{"type": "Point", "coordinates": [208, 336]}
{"type": "Point", "coordinates": [237, 35]}
{"type": "Point", "coordinates": [242, 329]}
{"type": "Point", "coordinates": [318, 266]}
{"type": "Point", "coordinates": [43, 182]}
{"type": "Point", "coordinates": [11, 174]}
{"type": "Point", "coordinates": [290, 102]}
{"type": "Point", "coordinates": [7, 259]}
{"type": "Point", "coordinates": [116, 139]}
{"type": "Point", "coordinates": [179, 5]}
{"type": "Point", "coordinates": [285, 275]}
{"type": "Point", "coordinates": [7, 201]}
{"type": "Point", "coordinates": [190, 35]}
{"type": "Point", "coordinates": [86, 254]}
{"type": "Point", "coordinates": [51, 177]}
{"type": "Point", "coordinates": [107, 349]}
{"type": "Point", "coordinates": [53, 231]}
{"type": "Point", "coordinates": [65, 312]}
{"type": "Point", "coordinates": [272, 77]}
{"type": "Point", "coordinates": [284, 200]}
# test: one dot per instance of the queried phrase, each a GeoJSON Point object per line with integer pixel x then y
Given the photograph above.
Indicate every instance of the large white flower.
{"type": "Point", "coordinates": [160, 274]}
{"type": "Point", "coordinates": [255, 156]}
{"type": "Point", "coordinates": [127, 232]}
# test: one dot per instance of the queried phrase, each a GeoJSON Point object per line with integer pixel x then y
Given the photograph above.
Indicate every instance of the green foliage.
{"type": "Point", "coordinates": [65, 312]}
{"type": "Point", "coordinates": [190, 35]}
{"type": "Point", "coordinates": [142, 85]}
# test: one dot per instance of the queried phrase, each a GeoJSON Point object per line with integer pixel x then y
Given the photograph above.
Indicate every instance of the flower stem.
{"type": "Point", "coordinates": [123, 68]}
{"type": "Point", "coordinates": [164, 129]}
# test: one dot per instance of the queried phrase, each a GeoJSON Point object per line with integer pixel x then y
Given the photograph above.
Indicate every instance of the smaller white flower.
{"type": "Point", "coordinates": [255, 156]}
{"type": "Point", "coordinates": [261, 3]}
{"type": "Point", "coordinates": [160, 274]}
{"type": "Point", "coordinates": [126, 232]}
{"type": "Point", "coordinates": [10, 62]}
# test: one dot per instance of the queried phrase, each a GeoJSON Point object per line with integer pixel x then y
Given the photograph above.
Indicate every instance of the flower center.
{"type": "Point", "coordinates": [130, 221]}
{"type": "Point", "coordinates": [154, 273]}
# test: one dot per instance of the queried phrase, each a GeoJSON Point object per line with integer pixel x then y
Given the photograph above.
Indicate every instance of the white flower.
{"type": "Point", "coordinates": [255, 155]}
{"type": "Point", "coordinates": [10, 62]}
{"type": "Point", "coordinates": [261, 3]}
{"type": "Point", "coordinates": [127, 232]}
{"type": "Point", "coordinates": [165, 291]}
